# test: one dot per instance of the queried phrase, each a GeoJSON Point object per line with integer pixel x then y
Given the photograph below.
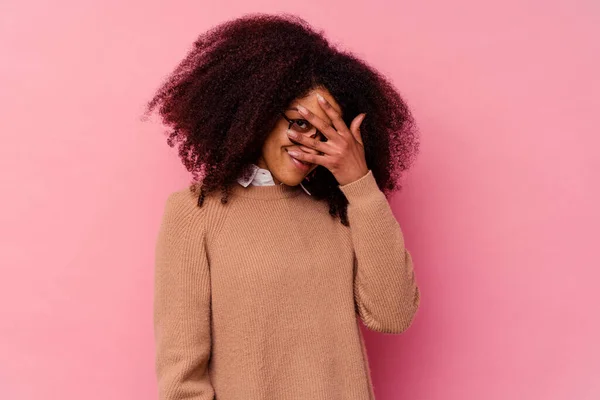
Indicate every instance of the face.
{"type": "Point", "coordinates": [275, 158]}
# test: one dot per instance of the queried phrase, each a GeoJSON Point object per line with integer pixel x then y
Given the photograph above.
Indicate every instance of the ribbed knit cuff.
{"type": "Point", "coordinates": [361, 188]}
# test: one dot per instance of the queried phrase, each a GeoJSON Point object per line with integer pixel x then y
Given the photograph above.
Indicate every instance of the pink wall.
{"type": "Point", "coordinates": [500, 211]}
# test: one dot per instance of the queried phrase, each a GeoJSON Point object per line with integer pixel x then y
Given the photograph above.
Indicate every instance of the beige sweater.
{"type": "Point", "coordinates": [258, 298]}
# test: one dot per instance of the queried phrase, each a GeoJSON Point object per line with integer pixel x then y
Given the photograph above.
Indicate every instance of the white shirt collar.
{"type": "Point", "coordinates": [262, 177]}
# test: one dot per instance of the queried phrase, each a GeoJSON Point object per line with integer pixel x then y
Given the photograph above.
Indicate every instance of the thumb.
{"type": "Point", "coordinates": [355, 126]}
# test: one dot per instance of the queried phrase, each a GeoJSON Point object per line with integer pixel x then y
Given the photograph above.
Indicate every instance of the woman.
{"type": "Point", "coordinates": [264, 264]}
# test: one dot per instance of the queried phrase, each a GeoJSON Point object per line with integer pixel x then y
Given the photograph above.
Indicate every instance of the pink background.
{"type": "Point", "coordinates": [500, 212]}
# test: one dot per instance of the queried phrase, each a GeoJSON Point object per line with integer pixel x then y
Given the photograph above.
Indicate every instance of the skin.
{"type": "Point", "coordinates": [274, 155]}
{"type": "Point", "coordinates": [343, 153]}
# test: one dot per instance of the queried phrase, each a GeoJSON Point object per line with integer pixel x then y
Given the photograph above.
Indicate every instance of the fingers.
{"type": "Point", "coordinates": [326, 129]}
{"type": "Point", "coordinates": [335, 117]}
{"type": "Point", "coordinates": [311, 143]}
{"type": "Point", "coordinates": [309, 158]}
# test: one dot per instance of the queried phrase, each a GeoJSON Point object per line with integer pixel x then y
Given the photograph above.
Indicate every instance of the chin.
{"type": "Point", "coordinates": [290, 177]}
{"type": "Point", "coordinates": [291, 180]}
{"type": "Point", "coordinates": [288, 171]}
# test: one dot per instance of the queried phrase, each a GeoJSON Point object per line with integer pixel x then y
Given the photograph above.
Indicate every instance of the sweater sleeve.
{"type": "Point", "coordinates": [182, 304]}
{"type": "Point", "coordinates": [385, 289]}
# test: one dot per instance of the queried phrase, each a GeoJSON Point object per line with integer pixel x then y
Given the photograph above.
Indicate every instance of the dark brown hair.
{"type": "Point", "coordinates": [225, 97]}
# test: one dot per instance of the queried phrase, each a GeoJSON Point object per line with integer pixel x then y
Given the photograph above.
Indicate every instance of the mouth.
{"type": "Point", "coordinates": [301, 165]}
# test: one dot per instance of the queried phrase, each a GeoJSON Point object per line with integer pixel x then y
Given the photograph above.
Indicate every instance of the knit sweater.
{"type": "Point", "coordinates": [259, 298]}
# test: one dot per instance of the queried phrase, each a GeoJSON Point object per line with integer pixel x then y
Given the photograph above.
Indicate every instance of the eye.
{"type": "Point", "coordinates": [302, 125]}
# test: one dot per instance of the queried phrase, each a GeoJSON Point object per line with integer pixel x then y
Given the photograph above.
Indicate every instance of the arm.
{"type": "Point", "coordinates": [182, 304]}
{"type": "Point", "coordinates": [385, 290]}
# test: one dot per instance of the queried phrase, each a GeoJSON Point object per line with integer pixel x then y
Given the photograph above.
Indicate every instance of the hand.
{"type": "Point", "coordinates": [343, 154]}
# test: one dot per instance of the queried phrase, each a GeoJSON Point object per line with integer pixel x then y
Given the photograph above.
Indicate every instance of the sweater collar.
{"type": "Point", "coordinates": [266, 192]}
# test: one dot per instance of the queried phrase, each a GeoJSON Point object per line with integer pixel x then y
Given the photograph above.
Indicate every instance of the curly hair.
{"type": "Point", "coordinates": [225, 97]}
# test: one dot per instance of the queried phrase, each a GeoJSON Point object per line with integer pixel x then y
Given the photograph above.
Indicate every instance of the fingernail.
{"type": "Point", "coordinates": [320, 98]}
{"type": "Point", "coordinates": [301, 109]}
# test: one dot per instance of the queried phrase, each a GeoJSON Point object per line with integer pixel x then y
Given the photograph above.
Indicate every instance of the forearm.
{"type": "Point", "coordinates": [386, 291]}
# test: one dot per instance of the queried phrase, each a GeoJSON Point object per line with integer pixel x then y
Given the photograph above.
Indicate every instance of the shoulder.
{"type": "Point", "coordinates": [181, 212]}
{"type": "Point", "coordinates": [182, 203]}
{"type": "Point", "coordinates": [181, 209]}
